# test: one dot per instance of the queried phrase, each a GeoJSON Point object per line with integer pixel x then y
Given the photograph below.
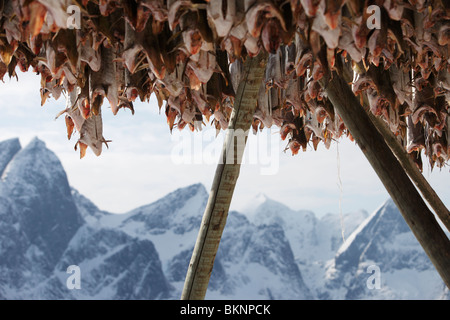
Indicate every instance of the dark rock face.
{"type": "Point", "coordinates": [42, 232]}
{"type": "Point", "coordinates": [384, 244]}
{"type": "Point", "coordinates": [8, 149]}
{"type": "Point", "coordinates": [37, 214]}
{"type": "Point", "coordinates": [275, 253]}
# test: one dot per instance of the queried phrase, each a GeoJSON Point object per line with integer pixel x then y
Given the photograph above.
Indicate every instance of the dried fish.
{"type": "Point", "coordinates": [103, 83]}
{"type": "Point", "coordinates": [415, 136]}
{"type": "Point", "coordinates": [190, 54]}
{"type": "Point", "coordinates": [330, 35]}
{"type": "Point", "coordinates": [223, 14]}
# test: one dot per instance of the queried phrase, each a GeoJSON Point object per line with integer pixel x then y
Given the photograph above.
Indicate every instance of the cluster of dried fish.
{"type": "Point", "coordinates": [189, 53]}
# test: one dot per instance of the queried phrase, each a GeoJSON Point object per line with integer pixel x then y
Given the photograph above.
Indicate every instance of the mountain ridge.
{"type": "Point", "coordinates": [8, 149]}
{"type": "Point", "coordinates": [274, 253]}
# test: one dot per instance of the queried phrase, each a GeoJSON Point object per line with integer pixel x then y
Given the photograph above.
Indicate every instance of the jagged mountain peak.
{"type": "Point", "coordinates": [272, 211]}
{"type": "Point", "coordinates": [34, 161]}
{"type": "Point", "coordinates": [8, 149]}
{"type": "Point", "coordinates": [360, 238]}
{"type": "Point", "coordinates": [384, 242]}
{"type": "Point", "coordinates": [260, 205]}
{"type": "Point", "coordinates": [87, 209]}
{"type": "Point", "coordinates": [385, 222]}
{"type": "Point", "coordinates": [279, 253]}
{"type": "Point", "coordinates": [189, 191]}
{"type": "Point", "coordinates": [34, 172]}
{"type": "Point", "coordinates": [178, 196]}
{"type": "Point", "coordinates": [36, 142]}
{"type": "Point", "coordinates": [180, 210]}
{"type": "Point", "coordinates": [10, 141]}
{"type": "Point", "coordinates": [261, 198]}
{"type": "Point", "coordinates": [38, 146]}
{"type": "Point", "coordinates": [37, 214]}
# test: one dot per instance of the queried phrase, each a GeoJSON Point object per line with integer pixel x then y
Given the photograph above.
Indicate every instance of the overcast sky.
{"type": "Point", "coordinates": [145, 162]}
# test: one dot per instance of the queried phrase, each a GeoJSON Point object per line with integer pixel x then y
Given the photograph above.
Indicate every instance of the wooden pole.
{"type": "Point", "coordinates": [411, 205]}
{"type": "Point", "coordinates": [226, 175]}
{"type": "Point", "coordinates": [413, 172]}
{"type": "Point", "coordinates": [379, 75]}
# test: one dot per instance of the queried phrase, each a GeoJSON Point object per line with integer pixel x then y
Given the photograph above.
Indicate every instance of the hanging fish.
{"type": "Point", "coordinates": [415, 137]}
{"type": "Point", "coordinates": [70, 126]}
{"type": "Point", "coordinates": [104, 82]}
{"type": "Point", "coordinates": [332, 12]}
{"type": "Point", "coordinates": [157, 8]}
{"type": "Point", "coordinates": [310, 6]}
{"type": "Point", "coordinates": [330, 35]}
{"type": "Point", "coordinates": [222, 13]}
{"type": "Point", "coordinates": [257, 14]}
{"type": "Point", "coordinates": [271, 35]}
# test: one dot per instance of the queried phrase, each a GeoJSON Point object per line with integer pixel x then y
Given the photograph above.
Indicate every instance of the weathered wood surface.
{"type": "Point", "coordinates": [428, 193]}
{"type": "Point", "coordinates": [411, 205]}
{"type": "Point", "coordinates": [226, 175]}
{"type": "Point", "coordinates": [413, 172]}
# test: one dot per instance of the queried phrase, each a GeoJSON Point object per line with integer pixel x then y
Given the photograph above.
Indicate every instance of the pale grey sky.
{"type": "Point", "coordinates": [144, 161]}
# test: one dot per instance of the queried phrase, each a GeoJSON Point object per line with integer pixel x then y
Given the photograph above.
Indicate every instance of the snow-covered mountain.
{"type": "Point", "coordinates": [272, 253]}
{"type": "Point", "coordinates": [384, 247]}
{"type": "Point", "coordinates": [38, 216]}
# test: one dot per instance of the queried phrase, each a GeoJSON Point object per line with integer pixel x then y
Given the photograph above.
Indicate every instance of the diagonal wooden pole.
{"type": "Point", "coordinates": [391, 173]}
{"type": "Point", "coordinates": [413, 172]}
{"type": "Point", "coordinates": [226, 175]}
{"type": "Point", "coordinates": [410, 167]}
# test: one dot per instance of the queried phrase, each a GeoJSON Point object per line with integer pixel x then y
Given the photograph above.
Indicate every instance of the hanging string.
{"type": "Point", "coordinates": [340, 191]}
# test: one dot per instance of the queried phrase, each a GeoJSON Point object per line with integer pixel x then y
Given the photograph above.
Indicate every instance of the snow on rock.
{"type": "Point", "coordinates": [8, 149]}
{"type": "Point", "coordinates": [383, 251]}
{"type": "Point", "coordinates": [257, 262]}
{"type": "Point", "coordinates": [41, 198]}
{"type": "Point", "coordinates": [273, 253]}
{"type": "Point", "coordinates": [114, 266]}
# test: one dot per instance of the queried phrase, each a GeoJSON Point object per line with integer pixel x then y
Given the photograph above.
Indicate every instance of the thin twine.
{"type": "Point", "coordinates": [340, 191]}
